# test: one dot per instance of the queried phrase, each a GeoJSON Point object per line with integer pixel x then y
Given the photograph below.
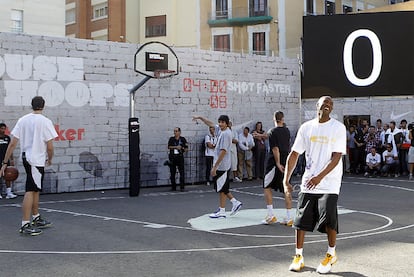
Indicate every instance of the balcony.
{"type": "Point", "coordinates": [239, 17]}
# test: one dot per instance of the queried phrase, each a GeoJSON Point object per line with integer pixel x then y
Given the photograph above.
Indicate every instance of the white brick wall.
{"type": "Point", "coordinates": [100, 158]}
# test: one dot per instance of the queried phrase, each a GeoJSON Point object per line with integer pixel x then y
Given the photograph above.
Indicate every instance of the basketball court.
{"type": "Point", "coordinates": [163, 233]}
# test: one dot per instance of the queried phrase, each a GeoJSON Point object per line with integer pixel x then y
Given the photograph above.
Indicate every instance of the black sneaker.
{"type": "Point", "coordinates": [27, 229]}
{"type": "Point", "coordinates": [40, 222]}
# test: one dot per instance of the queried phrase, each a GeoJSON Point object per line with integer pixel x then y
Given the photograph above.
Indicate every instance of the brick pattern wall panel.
{"type": "Point", "coordinates": [85, 84]}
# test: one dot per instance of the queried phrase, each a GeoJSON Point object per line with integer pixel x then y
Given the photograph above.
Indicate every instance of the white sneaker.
{"type": "Point", "coordinates": [326, 264]}
{"type": "Point", "coordinates": [269, 220]}
{"type": "Point", "coordinates": [366, 174]}
{"type": "Point", "coordinates": [208, 183]}
{"type": "Point", "coordinates": [236, 207]}
{"type": "Point", "coordinates": [287, 221]}
{"type": "Point", "coordinates": [410, 177]}
{"type": "Point", "coordinates": [218, 214]}
{"type": "Point", "coordinates": [237, 179]}
{"type": "Point", "coordinates": [297, 264]}
{"type": "Point", "coordinates": [1, 196]}
{"type": "Point", "coordinates": [11, 195]}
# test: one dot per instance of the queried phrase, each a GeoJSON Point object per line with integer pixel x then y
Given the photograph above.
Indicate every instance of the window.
{"type": "Point", "coordinates": [70, 16]}
{"type": "Point", "coordinates": [222, 43]}
{"type": "Point", "coordinates": [222, 9]}
{"type": "Point", "coordinates": [309, 7]}
{"type": "Point", "coordinates": [16, 18]}
{"type": "Point", "coordinates": [100, 11]}
{"type": "Point", "coordinates": [156, 26]}
{"type": "Point", "coordinates": [346, 9]}
{"type": "Point", "coordinates": [257, 7]}
{"type": "Point", "coordinates": [397, 1]}
{"type": "Point", "coordinates": [329, 7]}
{"type": "Point", "coordinates": [259, 43]}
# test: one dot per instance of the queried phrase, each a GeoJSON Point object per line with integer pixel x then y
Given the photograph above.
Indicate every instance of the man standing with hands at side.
{"type": "Point", "coordinates": [323, 139]}
{"type": "Point", "coordinates": [35, 133]}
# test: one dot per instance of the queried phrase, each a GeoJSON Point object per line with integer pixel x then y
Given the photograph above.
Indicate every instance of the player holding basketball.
{"type": "Point", "coordinates": [323, 140]}
{"type": "Point", "coordinates": [4, 143]}
{"type": "Point", "coordinates": [222, 165]}
{"type": "Point", "coordinates": [35, 133]}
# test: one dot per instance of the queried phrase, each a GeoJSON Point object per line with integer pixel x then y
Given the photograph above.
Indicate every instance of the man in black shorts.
{"type": "Point", "coordinates": [323, 140]}
{"type": "Point", "coordinates": [279, 142]}
{"type": "Point", "coordinates": [4, 143]}
{"type": "Point", "coordinates": [36, 134]}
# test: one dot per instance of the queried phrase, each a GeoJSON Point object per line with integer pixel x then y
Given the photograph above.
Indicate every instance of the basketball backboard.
{"type": "Point", "coordinates": [156, 60]}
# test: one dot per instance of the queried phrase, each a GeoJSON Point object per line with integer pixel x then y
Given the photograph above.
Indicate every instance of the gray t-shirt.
{"type": "Point", "coordinates": [224, 142]}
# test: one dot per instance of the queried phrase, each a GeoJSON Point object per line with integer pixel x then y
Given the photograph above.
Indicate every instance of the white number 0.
{"type": "Point", "coordinates": [377, 58]}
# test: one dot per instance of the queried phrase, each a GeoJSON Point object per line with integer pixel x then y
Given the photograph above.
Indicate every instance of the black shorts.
{"type": "Point", "coordinates": [32, 173]}
{"type": "Point", "coordinates": [316, 210]}
{"type": "Point", "coordinates": [273, 179]}
{"type": "Point", "coordinates": [221, 181]}
{"type": "Point", "coordinates": [273, 176]}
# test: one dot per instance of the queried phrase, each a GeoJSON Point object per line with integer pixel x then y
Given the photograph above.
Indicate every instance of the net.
{"type": "Point", "coordinates": [163, 73]}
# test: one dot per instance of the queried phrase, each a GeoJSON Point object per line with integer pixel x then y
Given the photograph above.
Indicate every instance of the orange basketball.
{"type": "Point", "coordinates": [11, 173]}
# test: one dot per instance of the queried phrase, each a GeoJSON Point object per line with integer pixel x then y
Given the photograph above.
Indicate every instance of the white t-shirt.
{"type": "Point", "coordinates": [223, 142]}
{"type": "Point", "coordinates": [213, 140]}
{"type": "Point", "coordinates": [390, 139]}
{"type": "Point", "coordinates": [388, 157]}
{"type": "Point", "coordinates": [376, 159]}
{"type": "Point", "coordinates": [319, 141]}
{"type": "Point", "coordinates": [34, 131]}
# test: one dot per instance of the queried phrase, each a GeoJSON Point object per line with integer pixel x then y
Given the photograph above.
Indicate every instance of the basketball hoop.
{"type": "Point", "coordinates": [163, 73]}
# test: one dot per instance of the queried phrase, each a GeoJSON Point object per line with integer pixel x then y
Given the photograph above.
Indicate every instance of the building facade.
{"type": "Point", "coordinates": [261, 27]}
{"type": "Point", "coordinates": [112, 20]}
{"type": "Point", "coordinates": [38, 17]}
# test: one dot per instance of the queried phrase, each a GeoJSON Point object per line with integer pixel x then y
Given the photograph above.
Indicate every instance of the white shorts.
{"type": "Point", "coordinates": [411, 155]}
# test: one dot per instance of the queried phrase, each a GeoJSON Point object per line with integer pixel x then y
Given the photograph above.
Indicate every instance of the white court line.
{"type": "Point", "coordinates": [357, 234]}
{"type": "Point", "coordinates": [166, 251]}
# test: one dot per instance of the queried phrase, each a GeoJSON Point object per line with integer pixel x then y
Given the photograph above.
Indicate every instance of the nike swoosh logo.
{"type": "Point", "coordinates": [398, 116]}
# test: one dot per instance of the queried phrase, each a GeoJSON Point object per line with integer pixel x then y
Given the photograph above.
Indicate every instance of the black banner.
{"type": "Point", "coordinates": [358, 55]}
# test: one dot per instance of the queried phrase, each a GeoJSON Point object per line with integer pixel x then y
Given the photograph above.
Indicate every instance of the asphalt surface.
{"type": "Point", "coordinates": [111, 234]}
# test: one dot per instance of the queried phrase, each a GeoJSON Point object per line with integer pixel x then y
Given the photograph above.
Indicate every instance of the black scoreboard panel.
{"type": "Point", "coordinates": [358, 55]}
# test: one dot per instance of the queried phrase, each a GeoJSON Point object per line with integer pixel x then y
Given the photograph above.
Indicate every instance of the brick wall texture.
{"type": "Point", "coordinates": [85, 84]}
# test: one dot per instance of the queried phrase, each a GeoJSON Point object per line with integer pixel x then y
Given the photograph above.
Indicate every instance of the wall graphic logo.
{"type": "Point", "coordinates": [57, 79]}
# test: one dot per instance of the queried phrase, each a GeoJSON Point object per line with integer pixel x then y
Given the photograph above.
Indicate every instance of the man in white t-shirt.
{"type": "Point", "coordinates": [323, 140]}
{"type": "Point", "coordinates": [373, 161]}
{"type": "Point", "coordinates": [222, 165]}
{"type": "Point", "coordinates": [210, 141]}
{"type": "Point", "coordinates": [36, 134]}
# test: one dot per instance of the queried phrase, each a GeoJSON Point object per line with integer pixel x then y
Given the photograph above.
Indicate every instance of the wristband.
{"type": "Point", "coordinates": [4, 162]}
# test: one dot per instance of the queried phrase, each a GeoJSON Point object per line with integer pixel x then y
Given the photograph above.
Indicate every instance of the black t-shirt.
{"type": "Point", "coordinates": [4, 143]}
{"type": "Point", "coordinates": [279, 137]}
{"type": "Point", "coordinates": [175, 142]}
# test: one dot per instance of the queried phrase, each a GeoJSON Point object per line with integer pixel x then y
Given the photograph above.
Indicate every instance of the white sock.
{"type": "Point", "coordinates": [288, 214]}
{"type": "Point", "coordinates": [331, 250]}
{"type": "Point", "coordinates": [269, 210]}
{"type": "Point", "coordinates": [24, 222]}
{"type": "Point", "coordinates": [233, 200]}
{"type": "Point", "coordinates": [35, 215]}
{"type": "Point", "coordinates": [299, 251]}
{"type": "Point", "coordinates": [8, 190]}
{"type": "Point", "coordinates": [223, 210]}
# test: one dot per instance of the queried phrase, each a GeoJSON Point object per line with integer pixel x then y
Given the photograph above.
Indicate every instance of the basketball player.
{"type": "Point", "coordinates": [35, 133]}
{"type": "Point", "coordinates": [279, 142]}
{"type": "Point", "coordinates": [4, 143]}
{"type": "Point", "coordinates": [222, 165]}
{"type": "Point", "coordinates": [323, 139]}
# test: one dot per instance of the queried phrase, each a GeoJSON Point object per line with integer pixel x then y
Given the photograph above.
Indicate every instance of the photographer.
{"type": "Point", "coordinates": [411, 150]}
{"type": "Point", "coordinates": [177, 146]}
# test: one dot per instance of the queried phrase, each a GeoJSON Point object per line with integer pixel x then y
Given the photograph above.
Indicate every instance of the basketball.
{"type": "Point", "coordinates": [11, 173]}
